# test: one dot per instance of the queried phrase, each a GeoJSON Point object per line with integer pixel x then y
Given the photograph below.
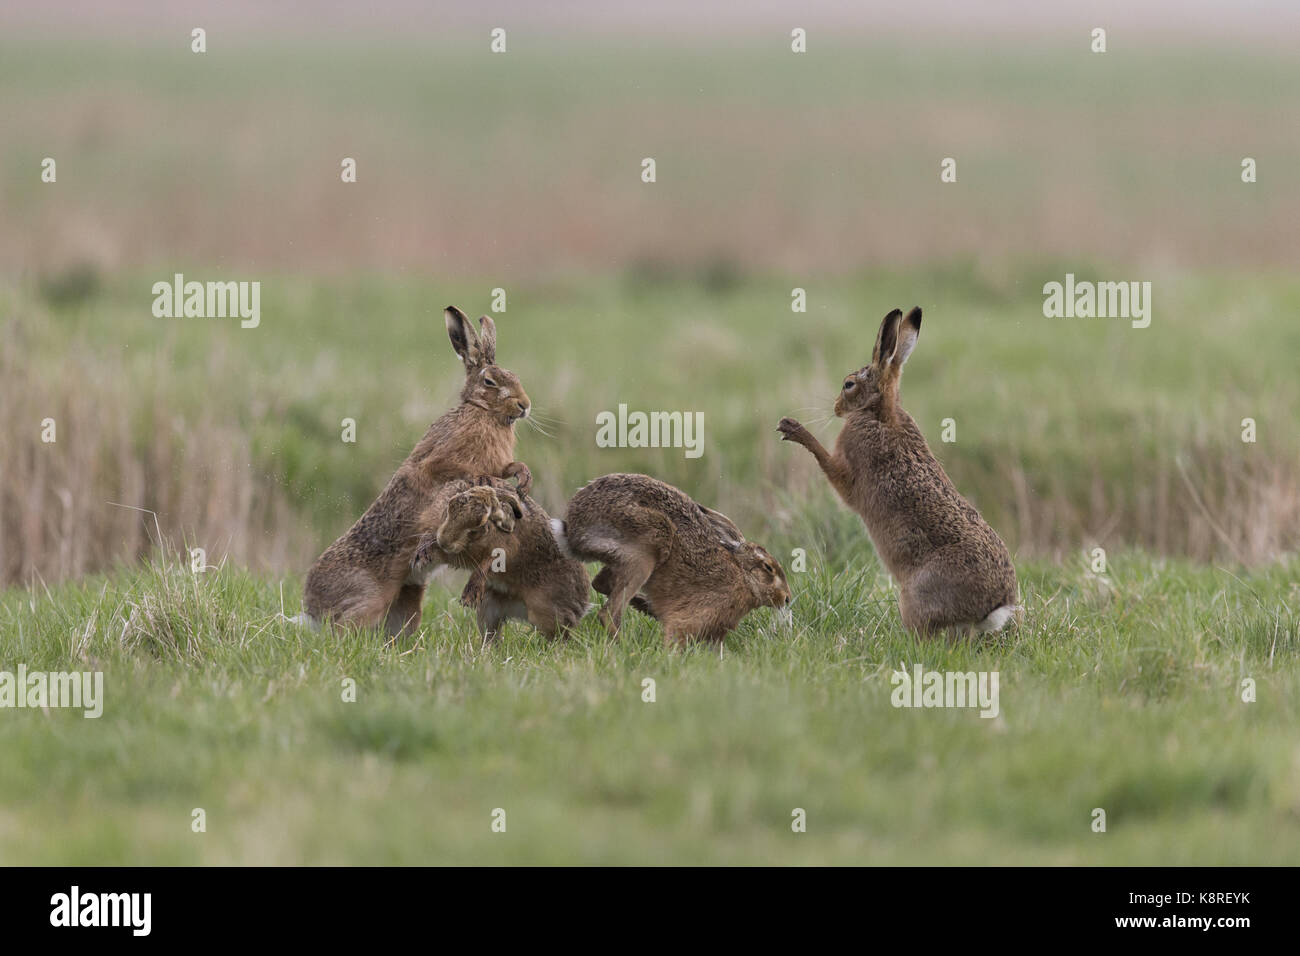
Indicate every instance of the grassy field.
{"type": "Point", "coordinates": [1069, 433]}
{"type": "Point", "coordinates": [1120, 691]}
{"type": "Point", "coordinates": [528, 164]}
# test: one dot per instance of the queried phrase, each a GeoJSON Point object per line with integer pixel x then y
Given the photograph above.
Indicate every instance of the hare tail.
{"type": "Point", "coordinates": [557, 532]}
{"type": "Point", "coordinates": [997, 619]}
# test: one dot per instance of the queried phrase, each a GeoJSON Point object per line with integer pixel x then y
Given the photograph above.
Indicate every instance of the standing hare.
{"type": "Point", "coordinates": [952, 569]}
{"type": "Point", "coordinates": [518, 568]}
{"type": "Point", "coordinates": [365, 577]}
{"type": "Point", "coordinates": [670, 557]}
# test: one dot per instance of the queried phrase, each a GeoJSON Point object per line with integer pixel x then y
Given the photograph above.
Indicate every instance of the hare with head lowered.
{"type": "Point", "coordinates": [669, 557]}
{"type": "Point", "coordinates": [365, 577]}
{"type": "Point", "coordinates": [953, 571]}
{"type": "Point", "coordinates": [518, 568]}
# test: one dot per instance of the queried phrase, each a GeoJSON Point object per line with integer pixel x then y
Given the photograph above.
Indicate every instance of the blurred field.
{"type": "Point", "coordinates": [511, 166]}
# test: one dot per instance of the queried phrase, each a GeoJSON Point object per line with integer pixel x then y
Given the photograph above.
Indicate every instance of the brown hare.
{"type": "Point", "coordinates": [669, 557]}
{"type": "Point", "coordinates": [953, 570]}
{"type": "Point", "coordinates": [519, 571]}
{"type": "Point", "coordinates": [364, 578]}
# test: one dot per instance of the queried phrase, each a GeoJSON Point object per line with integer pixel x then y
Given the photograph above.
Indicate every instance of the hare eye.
{"type": "Point", "coordinates": [848, 385]}
{"type": "Point", "coordinates": [488, 382]}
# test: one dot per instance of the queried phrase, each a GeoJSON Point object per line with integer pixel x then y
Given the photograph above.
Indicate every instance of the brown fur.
{"type": "Point", "coordinates": [364, 578]}
{"type": "Point", "coordinates": [538, 583]}
{"type": "Point", "coordinates": [681, 563]}
{"type": "Point", "coordinates": [952, 568]}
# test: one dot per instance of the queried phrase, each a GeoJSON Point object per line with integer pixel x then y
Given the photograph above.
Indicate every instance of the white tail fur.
{"type": "Point", "coordinates": [997, 619]}
{"type": "Point", "coordinates": [557, 532]}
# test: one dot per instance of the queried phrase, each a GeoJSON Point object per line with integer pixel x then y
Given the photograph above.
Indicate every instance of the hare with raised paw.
{"type": "Point", "coordinates": [953, 571]}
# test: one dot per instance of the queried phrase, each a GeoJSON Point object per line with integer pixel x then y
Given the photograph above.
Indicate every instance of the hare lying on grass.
{"type": "Point", "coordinates": [952, 569]}
{"type": "Point", "coordinates": [669, 557]}
{"type": "Point", "coordinates": [365, 578]}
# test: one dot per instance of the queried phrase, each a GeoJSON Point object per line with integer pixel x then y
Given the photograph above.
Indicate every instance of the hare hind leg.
{"type": "Point", "coordinates": [404, 613]}
{"type": "Point", "coordinates": [631, 545]}
{"type": "Point", "coordinates": [627, 575]}
{"type": "Point", "coordinates": [945, 596]}
{"type": "Point", "coordinates": [551, 620]}
{"type": "Point", "coordinates": [494, 610]}
{"type": "Point", "coordinates": [353, 598]}
{"type": "Point", "coordinates": [603, 583]}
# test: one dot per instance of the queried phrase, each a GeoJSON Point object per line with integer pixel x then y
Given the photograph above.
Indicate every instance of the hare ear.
{"type": "Point", "coordinates": [487, 340]}
{"type": "Point", "coordinates": [463, 337]}
{"type": "Point", "coordinates": [886, 339]}
{"type": "Point", "coordinates": [909, 330]}
{"type": "Point", "coordinates": [724, 526]}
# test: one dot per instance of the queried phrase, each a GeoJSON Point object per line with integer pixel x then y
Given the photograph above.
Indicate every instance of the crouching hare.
{"type": "Point", "coordinates": [518, 568]}
{"type": "Point", "coordinates": [952, 569]}
{"type": "Point", "coordinates": [364, 578]}
{"type": "Point", "coordinates": [669, 557]}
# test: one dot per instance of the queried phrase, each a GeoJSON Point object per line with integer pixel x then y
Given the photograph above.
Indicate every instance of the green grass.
{"type": "Point", "coordinates": [1070, 433]}
{"type": "Point", "coordinates": [775, 171]}
{"type": "Point", "coordinates": [1123, 695]}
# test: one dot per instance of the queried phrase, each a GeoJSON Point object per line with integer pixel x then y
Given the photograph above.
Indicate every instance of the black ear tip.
{"type": "Point", "coordinates": [915, 316]}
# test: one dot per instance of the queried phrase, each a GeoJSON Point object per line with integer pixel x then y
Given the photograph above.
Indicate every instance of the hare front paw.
{"type": "Point", "coordinates": [508, 510]}
{"type": "Point", "coordinates": [475, 589]}
{"type": "Point", "coordinates": [468, 514]}
{"type": "Point", "coordinates": [503, 514]}
{"type": "Point", "coordinates": [519, 471]}
{"type": "Point", "coordinates": [425, 552]}
{"type": "Point", "coordinates": [792, 430]}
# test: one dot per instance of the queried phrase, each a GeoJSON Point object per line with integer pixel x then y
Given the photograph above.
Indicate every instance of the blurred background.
{"type": "Point", "coordinates": [522, 170]}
